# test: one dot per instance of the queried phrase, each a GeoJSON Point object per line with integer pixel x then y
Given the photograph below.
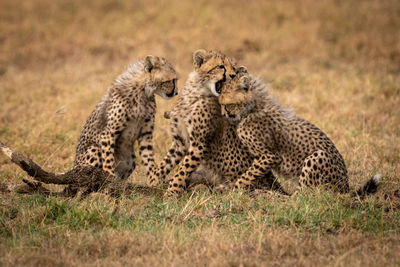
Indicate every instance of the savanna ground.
{"type": "Point", "coordinates": [337, 63]}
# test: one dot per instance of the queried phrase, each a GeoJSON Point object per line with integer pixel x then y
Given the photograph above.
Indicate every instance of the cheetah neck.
{"type": "Point", "coordinates": [132, 85]}
{"type": "Point", "coordinates": [133, 73]}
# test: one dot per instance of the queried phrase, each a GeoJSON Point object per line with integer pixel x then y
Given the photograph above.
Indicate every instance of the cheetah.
{"type": "Point", "coordinates": [126, 114]}
{"type": "Point", "coordinates": [225, 158]}
{"type": "Point", "coordinates": [281, 141]}
{"type": "Point", "coordinates": [193, 119]}
{"type": "Point", "coordinates": [200, 134]}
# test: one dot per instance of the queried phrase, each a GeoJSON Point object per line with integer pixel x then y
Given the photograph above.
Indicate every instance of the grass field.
{"type": "Point", "coordinates": [336, 63]}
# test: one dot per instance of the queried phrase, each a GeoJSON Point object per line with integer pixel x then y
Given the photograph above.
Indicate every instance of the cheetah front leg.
{"type": "Point", "coordinates": [173, 158]}
{"type": "Point", "coordinates": [261, 166]}
{"type": "Point", "coordinates": [190, 163]}
{"type": "Point", "coordinates": [145, 143]}
{"type": "Point", "coordinates": [260, 143]}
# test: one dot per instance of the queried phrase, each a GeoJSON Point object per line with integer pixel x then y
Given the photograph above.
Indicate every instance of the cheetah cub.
{"type": "Point", "coordinates": [126, 114]}
{"type": "Point", "coordinates": [280, 141]}
{"type": "Point", "coordinates": [195, 118]}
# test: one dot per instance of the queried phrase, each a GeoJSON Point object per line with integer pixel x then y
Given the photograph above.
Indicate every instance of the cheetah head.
{"type": "Point", "coordinates": [236, 98]}
{"type": "Point", "coordinates": [213, 69]}
{"type": "Point", "coordinates": [161, 77]}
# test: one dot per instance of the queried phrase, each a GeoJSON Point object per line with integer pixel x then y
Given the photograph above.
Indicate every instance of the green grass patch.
{"type": "Point", "coordinates": [318, 212]}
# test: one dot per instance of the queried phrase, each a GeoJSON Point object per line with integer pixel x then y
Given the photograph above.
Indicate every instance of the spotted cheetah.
{"type": "Point", "coordinates": [201, 134]}
{"type": "Point", "coordinates": [126, 114]}
{"type": "Point", "coordinates": [106, 145]}
{"type": "Point", "coordinates": [227, 157]}
{"type": "Point", "coordinates": [193, 120]}
{"type": "Point", "coordinates": [281, 141]}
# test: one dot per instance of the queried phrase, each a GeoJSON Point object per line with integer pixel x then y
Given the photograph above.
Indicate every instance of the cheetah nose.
{"type": "Point", "coordinates": [232, 75]}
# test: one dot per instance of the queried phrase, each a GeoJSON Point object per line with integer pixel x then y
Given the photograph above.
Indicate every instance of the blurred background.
{"type": "Point", "coordinates": [43, 33]}
{"type": "Point", "coordinates": [337, 63]}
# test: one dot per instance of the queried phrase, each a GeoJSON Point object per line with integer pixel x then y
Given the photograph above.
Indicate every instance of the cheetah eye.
{"type": "Point", "coordinates": [245, 89]}
{"type": "Point", "coordinates": [221, 66]}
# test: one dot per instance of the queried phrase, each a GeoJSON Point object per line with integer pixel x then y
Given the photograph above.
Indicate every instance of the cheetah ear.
{"type": "Point", "coordinates": [241, 71]}
{"type": "Point", "coordinates": [199, 57]}
{"type": "Point", "coordinates": [245, 82]}
{"type": "Point", "coordinates": [149, 63]}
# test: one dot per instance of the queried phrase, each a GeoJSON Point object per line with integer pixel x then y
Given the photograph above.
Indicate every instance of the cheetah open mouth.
{"type": "Point", "coordinates": [218, 86]}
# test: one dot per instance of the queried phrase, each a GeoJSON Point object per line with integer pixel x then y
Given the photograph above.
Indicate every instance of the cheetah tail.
{"type": "Point", "coordinates": [30, 167]}
{"type": "Point", "coordinates": [370, 187]}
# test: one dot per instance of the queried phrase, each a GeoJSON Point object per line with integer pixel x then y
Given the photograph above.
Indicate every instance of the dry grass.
{"type": "Point", "coordinates": [336, 62]}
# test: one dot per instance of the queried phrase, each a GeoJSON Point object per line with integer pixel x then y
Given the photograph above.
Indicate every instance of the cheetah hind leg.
{"type": "Point", "coordinates": [91, 157]}
{"type": "Point", "coordinates": [320, 168]}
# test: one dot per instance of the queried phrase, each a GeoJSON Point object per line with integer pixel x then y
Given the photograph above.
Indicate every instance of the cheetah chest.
{"type": "Point", "coordinates": [130, 133]}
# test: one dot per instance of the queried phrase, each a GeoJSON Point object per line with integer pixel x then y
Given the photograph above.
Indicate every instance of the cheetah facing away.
{"type": "Point", "coordinates": [280, 141]}
{"type": "Point", "coordinates": [126, 114]}
{"type": "Point", "coordinates": [193, 120]}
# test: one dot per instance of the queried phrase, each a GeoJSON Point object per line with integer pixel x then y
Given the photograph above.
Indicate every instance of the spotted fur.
{"type": "Point", "coordinates": [195, 118]}
{"type": "Point", "coordinates": [201, 136]}
{"type": "Point", "coordinates": [227, 158]}
{"type": "Point", "coordinates": [278, 139]}
{"type": "Point", "coordinates": [125, 115]}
